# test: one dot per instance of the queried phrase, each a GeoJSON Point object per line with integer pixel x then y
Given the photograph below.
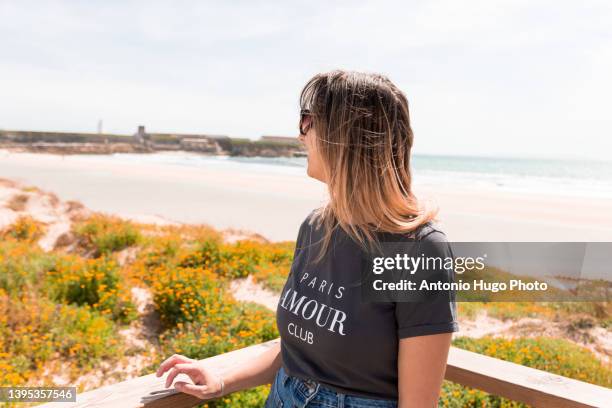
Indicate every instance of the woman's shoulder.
{"type": "Point", "coordinates": [310, 220]}
{"type": "Point", "coordinates": [429, 231]}
{"type": "Point", "coordinates": [311, 216]}
{"type": "Point", "coordinates": [306, 225]}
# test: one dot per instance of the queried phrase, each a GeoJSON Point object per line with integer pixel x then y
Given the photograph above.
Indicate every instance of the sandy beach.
{"type": "Point", "coordinates": [273, 203]}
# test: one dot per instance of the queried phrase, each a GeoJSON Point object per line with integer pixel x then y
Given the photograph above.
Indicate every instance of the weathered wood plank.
{"type": "Point", "coordinates": [513, 381]}
{"type": "Point", "coordinates": [524, 384]}
{"type": "Point", "coordinates": [149, 391]}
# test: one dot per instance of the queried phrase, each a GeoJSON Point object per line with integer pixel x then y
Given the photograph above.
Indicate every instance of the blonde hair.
{"type": "Point", "coordinates": [364, 139]}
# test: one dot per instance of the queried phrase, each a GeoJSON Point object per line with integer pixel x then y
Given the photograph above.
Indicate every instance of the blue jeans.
{"type": "Point", "coordinates": [292, 392]}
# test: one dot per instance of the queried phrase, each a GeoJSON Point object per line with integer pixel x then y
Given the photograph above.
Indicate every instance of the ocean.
{"type": "Point", "coordinates": [580, 178]}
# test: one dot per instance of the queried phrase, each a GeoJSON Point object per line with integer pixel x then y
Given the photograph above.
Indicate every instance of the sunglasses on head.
{"type": "Point", "coordinates": [304, 113]}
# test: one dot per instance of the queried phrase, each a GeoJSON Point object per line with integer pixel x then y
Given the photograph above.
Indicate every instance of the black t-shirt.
{"type": "Point", "coordinates": [329, 335]}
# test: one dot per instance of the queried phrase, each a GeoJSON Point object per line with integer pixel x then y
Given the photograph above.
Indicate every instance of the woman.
{"type": "Point", "coordinates": [335, 349]}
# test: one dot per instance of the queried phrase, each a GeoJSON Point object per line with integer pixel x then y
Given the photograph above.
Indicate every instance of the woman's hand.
{"type": "Point", "coordinates": [206, 385]}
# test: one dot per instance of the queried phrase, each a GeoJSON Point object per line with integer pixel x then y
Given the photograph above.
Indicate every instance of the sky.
{"type": "Point", "coordinates": [487, 78]}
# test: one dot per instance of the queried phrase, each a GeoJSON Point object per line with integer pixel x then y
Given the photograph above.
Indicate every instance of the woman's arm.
{"type": "Point", "coordinates": [261, 370]}
{"type": "Point", "coordinates": [421, 367]}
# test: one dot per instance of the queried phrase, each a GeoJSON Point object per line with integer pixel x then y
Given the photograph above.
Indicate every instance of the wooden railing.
{"type": "Point", "coordinates": [509, 380]}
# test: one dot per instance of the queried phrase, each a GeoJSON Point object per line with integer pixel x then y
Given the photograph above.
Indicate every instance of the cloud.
{"type": "Point", "coordinates": [492, 77]}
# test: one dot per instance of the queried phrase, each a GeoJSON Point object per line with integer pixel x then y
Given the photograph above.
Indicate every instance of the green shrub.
{"type": "Point", "coordinates": [186, 294]}
{"type": "Point", "coordinates": [252, 398]}
{"type": "Point", "coordinates": [234, 325]}
{"type": "Point", "coordinates": [272, 276]}
{"type": "Point", "coordinates": [35, 331]}
{"type": "Point", "coordinates": [207, 254]}
{"type": "Point", "coordinates": [25, 228]}
{"type": "Point", "coordinates": [86, 335]}
{"type": "Point", "coordinates": [23, 266]}
{"type": "Point", "coordinates": [241, 259]}
{"type": "Point", "coordinates": [93, 282]}
{"type": "Point", "coordinates": [104, 234]}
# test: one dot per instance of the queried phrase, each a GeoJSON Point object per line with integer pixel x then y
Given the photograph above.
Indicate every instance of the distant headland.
{"type": "Point", "coordinates": [145, 142]}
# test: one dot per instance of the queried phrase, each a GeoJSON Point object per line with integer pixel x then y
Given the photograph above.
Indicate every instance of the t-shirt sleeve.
{"type": "Point", "coordinates": [437, 314]}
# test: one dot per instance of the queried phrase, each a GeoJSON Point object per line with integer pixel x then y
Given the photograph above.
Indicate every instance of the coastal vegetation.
{"type": "Point", "coordinates": [64, 313]}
